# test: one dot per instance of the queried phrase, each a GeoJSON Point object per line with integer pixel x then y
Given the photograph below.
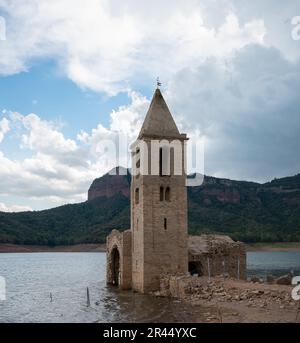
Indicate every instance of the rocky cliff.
{"type": "Point", "coordinates": [114, 182]}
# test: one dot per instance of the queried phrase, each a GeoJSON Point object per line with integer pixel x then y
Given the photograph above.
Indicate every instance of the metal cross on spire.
{"type": "Point", "coordinates": [158, 83]}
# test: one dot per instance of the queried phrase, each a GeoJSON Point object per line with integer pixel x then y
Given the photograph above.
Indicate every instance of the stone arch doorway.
{"type": "Point", "coordinates": [115, 266]}
{"type": "Point", "coordinates": [119, 254]}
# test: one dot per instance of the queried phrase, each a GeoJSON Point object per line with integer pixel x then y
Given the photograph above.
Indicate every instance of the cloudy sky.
{"type": "Point", "coordinates": [75, 73]}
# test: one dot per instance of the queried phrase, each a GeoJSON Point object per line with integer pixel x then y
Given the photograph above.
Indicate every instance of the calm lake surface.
{"type": "Point", "coordinates": [30, 278]}
{"type": "Point", "coordinates": [276, 263]}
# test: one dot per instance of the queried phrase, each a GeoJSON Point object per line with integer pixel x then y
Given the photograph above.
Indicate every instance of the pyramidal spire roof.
{"type": "Point", "coordinates": [159, 121]}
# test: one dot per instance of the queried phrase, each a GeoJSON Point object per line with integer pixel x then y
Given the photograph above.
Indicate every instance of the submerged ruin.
{"type": "Point", "coordinates": [208, 255]}
{"type": "Point", "coordinates": [157, 243]}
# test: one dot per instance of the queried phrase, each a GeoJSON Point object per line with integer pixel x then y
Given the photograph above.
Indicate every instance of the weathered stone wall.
{"type": "Point", "coordinates": [219, 256]}
{"type": "Point", "coordinates": [175, 286]}
{"type": "Point", "coordinates": [122, 242]}
{"type": "Point", "coordinates": [157, 243]}
{"type": "Point", "coordinates": [159, 228]}
{"type": "Point", "coordinates": [232, 265]}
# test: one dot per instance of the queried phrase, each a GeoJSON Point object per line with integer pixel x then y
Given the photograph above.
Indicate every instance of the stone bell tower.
{"type": "Point", "coordinates": [158, 199]}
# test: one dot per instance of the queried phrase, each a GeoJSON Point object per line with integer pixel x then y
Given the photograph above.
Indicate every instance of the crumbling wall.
{"type": "Point", "coordinates": [218, 255]}
{"type": "Point", "coordinates": [231, 265]}
{"type": "Point", "coordinates": [177, 286]}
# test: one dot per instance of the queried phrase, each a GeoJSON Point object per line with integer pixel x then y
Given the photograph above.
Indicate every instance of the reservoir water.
{"type": "Point", "coordinates": [52, 287]}
{"type": "Point", "coordinates": [276, 263]}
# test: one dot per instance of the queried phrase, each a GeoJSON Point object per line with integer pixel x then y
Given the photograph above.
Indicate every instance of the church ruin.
{"type": "Point", "coordinates": [157, 242]}
{"type": "Point", "coordinates": [212, 255]}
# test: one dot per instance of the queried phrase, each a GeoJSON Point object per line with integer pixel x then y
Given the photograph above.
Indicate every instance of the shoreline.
{"type": "Point", "coordinates": [14, 248]}
{"type": "Point", "coordinates": [274, 247]}
{"type": "Point", "coordinates": [234, 301]}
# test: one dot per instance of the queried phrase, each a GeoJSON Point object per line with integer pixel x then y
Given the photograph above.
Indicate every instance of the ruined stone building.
{"type": "Point", "coordinates": [211, 255]}
{"type": "Point", "coordinates": [157, 242]}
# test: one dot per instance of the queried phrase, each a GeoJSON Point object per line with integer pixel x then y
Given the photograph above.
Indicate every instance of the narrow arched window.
{"type": "Point", "coordinates": [137, 195]}
{"type": "Point", "coordinates": [138, 162]}
{"type": "Point", "coordinates": [167, 194]}
{"type": "Point", "coordinates": [165, 223]}
{"type": "Point", "coordinates": [164, 161]}
{"type": "Point", "coordinates": [172, 161]}
{"type": "Point", "coordinates": [161, 194]}
{"type": "Point", "coordinates": [160, 161]}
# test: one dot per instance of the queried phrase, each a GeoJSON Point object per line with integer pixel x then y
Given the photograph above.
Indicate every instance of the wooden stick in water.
{"type": "Point", "coordinates": [88, 302]}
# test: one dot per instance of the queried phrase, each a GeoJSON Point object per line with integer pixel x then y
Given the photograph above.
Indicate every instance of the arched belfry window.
{"type": "Point", "coordinates": [138, 161]}
{"type": "Point", "coordinates": [164, 161]}
{"type": "Point", "coordinates": [168, 194]}
{"type": "Point", "coordinates": [161, 193]}
{"type": "Point", "coordinates": [160, 161]}
{"type": "Point", "coordinates": [137, 195]}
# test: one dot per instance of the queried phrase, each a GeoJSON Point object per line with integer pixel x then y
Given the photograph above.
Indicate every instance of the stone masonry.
{"type": "Point", "coordinates": [213, 255]}
{"type": "Point", "coordinates": [119, 259]}
{"type": "Point", "coordinates": [159, 201]}
{"type": "Point", "coordinates": [157, 243]}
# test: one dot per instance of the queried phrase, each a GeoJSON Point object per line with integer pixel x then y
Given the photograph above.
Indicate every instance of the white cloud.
{"type": "Point", "coordinates": [14, 208]}
{"type": "Point", "coordinates": [110, 146]}
{"type": "Point", "coordinates": [277, 17]}
{"type": "Point", "coordinates": [44, 137]}
{"type": "Point", "coordinates": [230, 70]}
{"type": "Point", "coordinates": [60, 170]}
{"type": "Point", "coordinates": [110, 46]}
{"type": "Point", "coordinates": [248, 114]}
{"type": "Point", "coordinates": [4, 128]}
{"type": "Point", "coordinates": [57, 167]}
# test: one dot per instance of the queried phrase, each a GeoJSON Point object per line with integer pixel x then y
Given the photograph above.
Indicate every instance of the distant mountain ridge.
{"type": "Point", "coordinates": [116, 181]}
{"type": "Point", "coordinates": [246, 211]}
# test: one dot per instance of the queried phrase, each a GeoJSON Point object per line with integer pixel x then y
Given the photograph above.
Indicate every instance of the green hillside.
{"type": "Point", "coordinates": [247, 211]}
{"type": "Point", "coordinates": [87, 222]}
{"type": "Point", "coordinates": [250, 212]}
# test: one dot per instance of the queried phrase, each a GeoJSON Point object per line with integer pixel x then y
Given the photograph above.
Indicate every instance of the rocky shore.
{"type": "Point", "coordinates": [231, 300]}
